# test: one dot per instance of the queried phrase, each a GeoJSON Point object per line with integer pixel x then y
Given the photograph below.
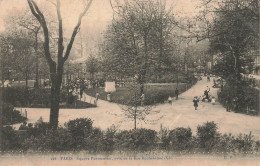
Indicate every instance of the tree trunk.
{"type": "Point", "coordinates": [56, 79]}
{"type": "Point", "coordinates": [144, 67]}
{"type": "Point", "coordinates": [37, 60]}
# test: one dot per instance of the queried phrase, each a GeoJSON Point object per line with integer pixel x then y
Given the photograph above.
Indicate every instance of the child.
{"type": "Point", "coordinates": [109, 97]}
{"type": "Point", "coordinates": [213, 100]}
{"type": "Point", "coordinates": [196, 101]}
{"type": "Point", "coordinates": [170, 100]}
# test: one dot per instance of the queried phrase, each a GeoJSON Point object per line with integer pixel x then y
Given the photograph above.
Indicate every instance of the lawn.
{"type": "Point", "coordinates": [38, 98]}
{"type": "Point", "coordinates": [154, 92]}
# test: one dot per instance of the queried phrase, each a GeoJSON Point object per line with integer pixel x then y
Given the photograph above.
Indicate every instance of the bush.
{"type": "Point", "coordinates": [10, 139]}
{"type": "Point", "coordinates": [207, 135]}
{"type": "Point", "coordinates": [137, 140]}
{"type": "Point", "coordinates": [244, 143]}
{"type": "Point", "coordinates": [164, 138]}
{"type": "Point", "coordinates": [11, 116]}
{"type": "Point", "coordinates": [225, 143]}
{"type": "Point", "coordinates": [80, 129]}
{"type": "Point", "coordinates": [245, 98]}
{"type": "Point", "coordinates": [55, 140]}
{"type": "Point", "coordinates": [109, 139]}
{"type": "Point", "coordinates": [93, 141]}
{"type": "Point", "coordinates": [180, 138]}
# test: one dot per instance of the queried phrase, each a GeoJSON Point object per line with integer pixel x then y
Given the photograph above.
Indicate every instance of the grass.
{"type": "Point", "coordinates": [76, 105]}
{"type": "Point", "coordinates": [154, 93]}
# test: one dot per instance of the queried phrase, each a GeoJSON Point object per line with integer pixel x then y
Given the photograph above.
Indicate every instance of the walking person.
{"type": "Point", "coordinates": [142, 99]}
{"type": "Point", "coordinates": [196, 101]}
{"type": "Point", "coordinates": [97, 97]}
{"type": "Point", "coordinates": [213, 100]}
{"type": "Point", "coordinates": [208, 89]}
{"type": "Point", "coordinates": [109, 97]}
{"type": "Point", "coordinates": [176, 93]}
{"type": "Point", "coordinates": [81, 92]}
{"type": "Point", "coordinates": [208, 78]}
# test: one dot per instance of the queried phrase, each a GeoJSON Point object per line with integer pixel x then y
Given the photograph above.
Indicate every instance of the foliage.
{"type": "Point", "coordinates": [136, 140]}
{"type": "Point", "coordinates": [10, 115]}
{"type": "Point", "coordinates": [235, 38]}
{"type": "Point", "coordinates": [180, 138]}
{"type": "Point", "coordinates": [95, 140]}
{"type": "Point", "coordinates": [139, 41]}
{"type": "Point", "coordinates": [242, 99]}
{"type": "Point", "coordinates": [80, 129]}
{"type": "Point", "coordinates": [207, 135]}
{"type": "Point", "coordinates": [10, 139]}
{"type": "Point", "coordinates": [23, 97]}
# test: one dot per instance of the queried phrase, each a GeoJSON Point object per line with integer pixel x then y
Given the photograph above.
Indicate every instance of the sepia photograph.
{"type": "Point", "coordinates": [129, 82]}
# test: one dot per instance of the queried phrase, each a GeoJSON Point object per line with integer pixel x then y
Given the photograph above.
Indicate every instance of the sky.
{"type": "Point", "coordinates": [96, 20]}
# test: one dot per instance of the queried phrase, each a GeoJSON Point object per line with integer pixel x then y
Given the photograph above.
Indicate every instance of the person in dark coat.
{"type": "Point", "coordinates": [177, 93]}
{"type": "Point", "coordinates": [81, 92]}
{"type": "Point", "coordinates": [196, 101]}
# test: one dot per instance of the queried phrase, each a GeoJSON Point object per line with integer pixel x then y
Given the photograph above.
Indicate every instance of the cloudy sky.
{"type": "Point", "coordinates": [98, 17]}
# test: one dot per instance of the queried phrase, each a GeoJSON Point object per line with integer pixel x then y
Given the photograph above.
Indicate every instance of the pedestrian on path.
{"type": "Point", "coordinates": [208, 89]}
{"type": "Point", "coordinates": [97, 97]}
{"type": "Point", "coordinates": [81, 93]}
{"type": "Point", "coordinates": [213, 100]}
{"type": "Point", "coordinates": [177, 93]}
{"type": "Point", "coordinates": [170, 100]}
{"type": "Point", "coordinates": [208, 78]}
{"type": "Point", "coordinates": [142, 99]}
{"type": "Point", "coordinates": [109, 97]}
{"type": "Point", "coordinates": [196, 101]}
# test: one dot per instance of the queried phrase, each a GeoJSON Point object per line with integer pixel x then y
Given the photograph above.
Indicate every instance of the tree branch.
{"type": "Point", "coordinates": [75, 32]}
{"type": "Point", "coordinates": [52, 3]}
{"type": "Point", "coordinates": [60, 40]}
{"type": "Point", "coordinates": [39, 16]}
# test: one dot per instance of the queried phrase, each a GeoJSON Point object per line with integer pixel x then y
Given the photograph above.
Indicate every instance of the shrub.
{"type": "Point", "coordinates": [164, 138]}
{"type": "Point", "coordinates": [139, 140]}
{"type": "Point", "coordinates": [244, 143]}
{"type": "Point", "coordinates": [225, 143]}
{"type": "Point", "coordinates": [79, 129]}
{"type": "Point", "coordinates": [10, 115]}
{"type": "Point", "coordinates": [109, 139]}
{"type": "Point", "coordinates": [246, 96]}
{"type": "Point", "coordinates": [10, 139]}
{"type": "Point", "coordinates": [55, 140]}
{"type": "Point", "coordinates": [180, 138]}
{"type": "Point", "coordinates": [93, 141]}
{"type": "Point", "coordinates": [257, 146]}
{"type": "Point", "coordinates": [207, 135]}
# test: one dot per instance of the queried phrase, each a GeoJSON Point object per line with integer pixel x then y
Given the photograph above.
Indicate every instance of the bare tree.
{"type": "Point", "coordinates": [56, 68]}
{"type": "Point", "coordinates": [136, 110]}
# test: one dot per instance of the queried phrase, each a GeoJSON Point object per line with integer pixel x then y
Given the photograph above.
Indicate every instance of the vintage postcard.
{"type": "Point", "coordinates": [129, 82]}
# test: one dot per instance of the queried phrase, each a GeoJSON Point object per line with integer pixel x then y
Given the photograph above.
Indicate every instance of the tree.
{"type": "Point", "coordinates": [33, 26]}
{"type": "Point", "coordinates": [56, 67]}
{"type": "Point", "coordinates": [26, 22]}
{"type": "Point", "coordinates": [92, 65]}
{"type": "Point", "coordinates": [235, 34]}
{"type": "Point", "coordinates": [139, 41]}
{"type": "Point", "coordinates": [16, 55]}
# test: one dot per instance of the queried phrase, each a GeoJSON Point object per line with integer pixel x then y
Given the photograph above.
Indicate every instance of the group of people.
{"type": "Point", "coordinates": [205, 98]}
